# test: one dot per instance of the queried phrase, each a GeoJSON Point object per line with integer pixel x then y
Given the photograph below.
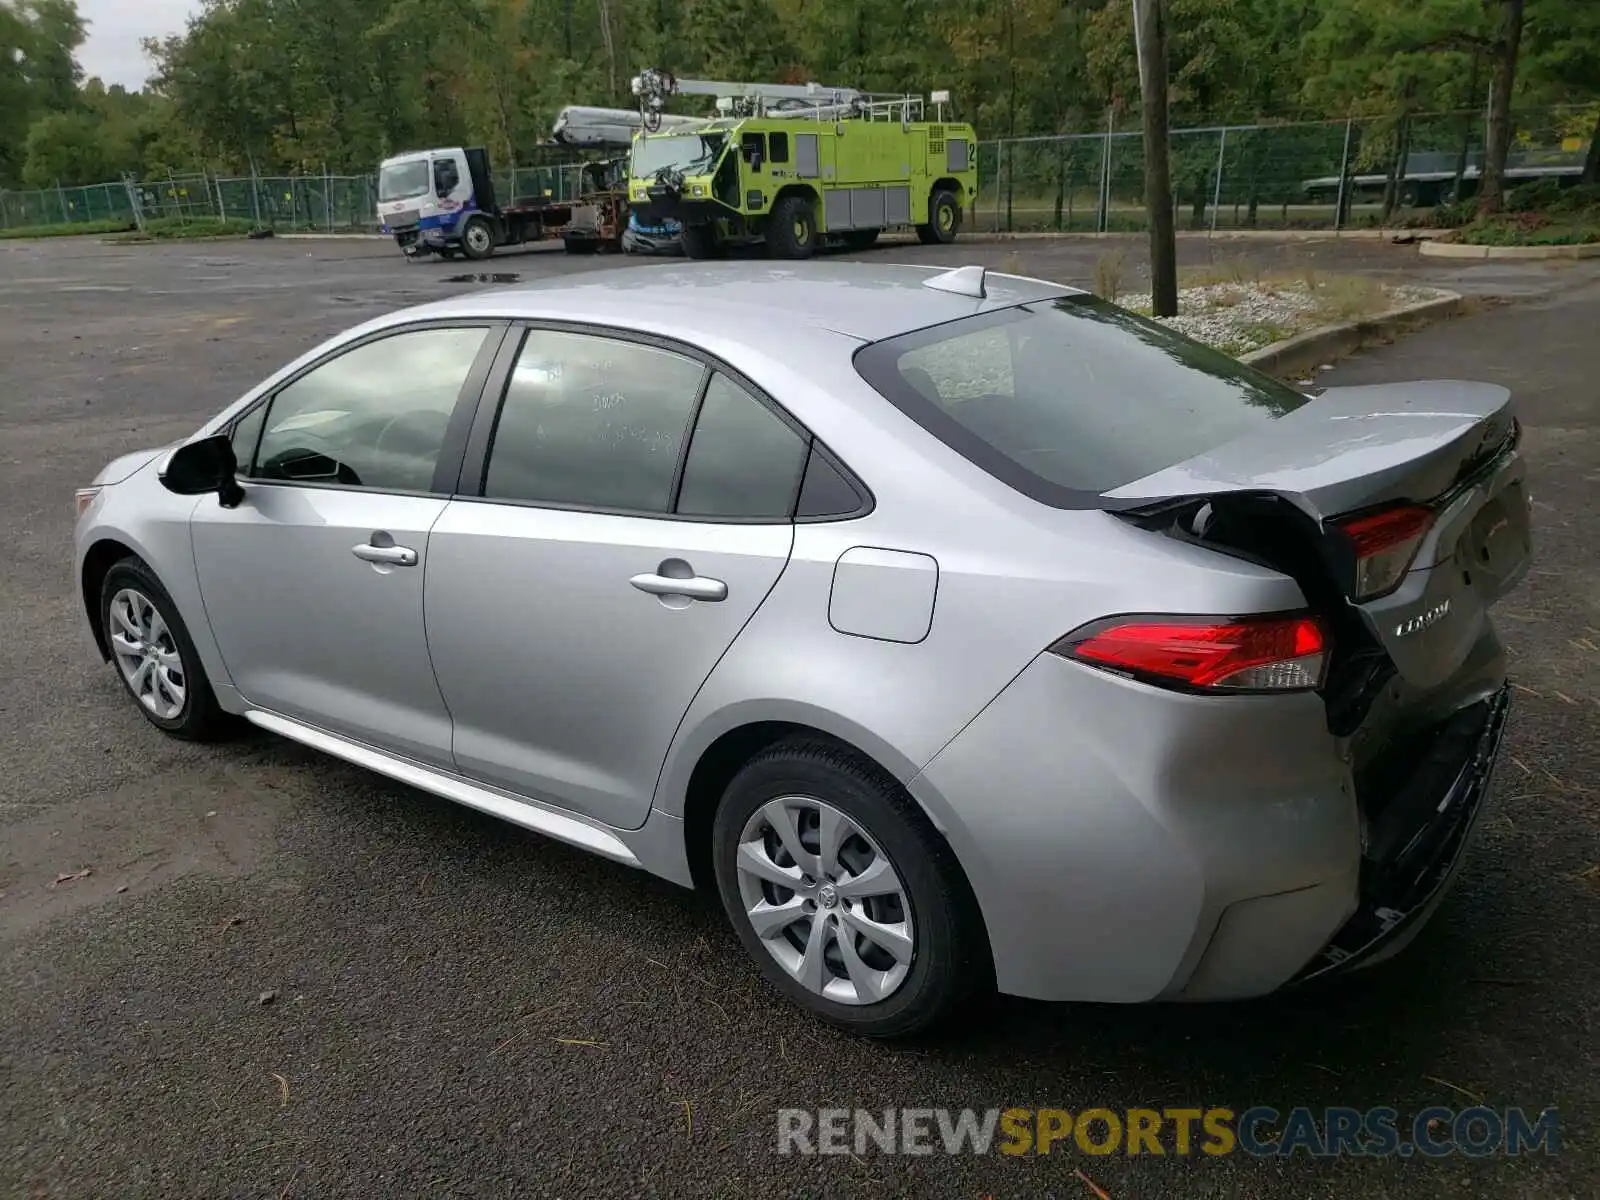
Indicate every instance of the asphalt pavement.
{"type": "Point", "coordinates": [282, 976]}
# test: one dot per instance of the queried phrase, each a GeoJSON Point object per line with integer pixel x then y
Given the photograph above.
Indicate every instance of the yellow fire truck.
{"type": "Point", "coordinates": [797, 165]}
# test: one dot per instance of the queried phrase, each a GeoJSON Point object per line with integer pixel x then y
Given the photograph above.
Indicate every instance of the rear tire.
{"type": "Point", "coordinates": [155, 656]}
{"type": "Point", "coordinates": [477, 239]}
{"type": "Point", "coordinates": [792, 228]}
{"type": "Point", "coordinates": [699, 241]}
{"type": "Point", "coordinates": [900, 945]}
{"type": "Point", "coordinates": [944, 219]}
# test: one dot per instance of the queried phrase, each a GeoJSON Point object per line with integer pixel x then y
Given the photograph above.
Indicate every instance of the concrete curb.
{"type": "Point", "coordinates": [1294, 358]}
{"type": "Point", "coordinates": [1463, 250]}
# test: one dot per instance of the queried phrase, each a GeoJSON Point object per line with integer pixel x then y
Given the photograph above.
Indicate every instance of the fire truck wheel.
{"type": "Point", "coordinates": [699, 241]}
{"type": "Point", "coordinates": [944, 220]}
{"type": "Point", "coordinates": [792, 228]}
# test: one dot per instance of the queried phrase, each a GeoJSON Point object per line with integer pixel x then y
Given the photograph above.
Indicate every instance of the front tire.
{"type": "Point", "coordinates": [477, 239]}
{"type": "Point", "coordinates": [851, 903]}
{"type": "Point", "coordinates": [699, 241]}
{"type": "Point", "coordinates": [944, 220]}
{"type": "Point", "coordinates": [155, 656]}
{"type": "Point", "coordinates": [792, 228]}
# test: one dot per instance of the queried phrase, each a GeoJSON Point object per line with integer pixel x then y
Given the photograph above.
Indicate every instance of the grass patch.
{"type": "Point", "coordinates": [69, 229]}
{"type": "Point", "coordinates": [1234, 270]}
{"type": "Point", "coordinates": [1108, 270]}
{"type": "Point", "coordinates": [1349, 297]}
{"type": "Point", "coordinates": [182, 229]}
{"type": "Point", "coordinates": [1541, 214]}
{"type": "Point", "coordinates": [1533, 229]}
{"type": "Point", "coordinates": [155, 229]}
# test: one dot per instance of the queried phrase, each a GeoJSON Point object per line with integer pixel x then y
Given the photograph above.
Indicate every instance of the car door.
{"type": "Point", "coordinates": [576, 605]}
{"type": "Point", "coordinates": [313, 584]}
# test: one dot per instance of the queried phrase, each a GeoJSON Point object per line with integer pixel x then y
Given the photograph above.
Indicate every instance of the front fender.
{"type": "Point", "coordinates": [146, 519]}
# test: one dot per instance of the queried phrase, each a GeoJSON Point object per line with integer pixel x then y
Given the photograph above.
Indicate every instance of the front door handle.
{"type": "Point", "coordinates": [392, 556]}
{"type": "Point", "coordinates": [695, 587]}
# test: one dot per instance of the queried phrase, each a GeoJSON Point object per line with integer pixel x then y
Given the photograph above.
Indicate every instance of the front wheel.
{"type": "Point", "coordinates": [944, 220]}
{"type": "Point", "coordinates": [699, 241]}
{"type": "Point", "coordinates": [849, 900]}
{"type": "Point", "coordinates": [154, 655]}
{"type": "Point", "coordinates": [477, 239]}
{"type": "Point", "coordinates": [792, 227]}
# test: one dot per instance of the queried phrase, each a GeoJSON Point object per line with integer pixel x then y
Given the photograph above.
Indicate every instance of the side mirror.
{"type": "Point", "coordinates": [204, 466]}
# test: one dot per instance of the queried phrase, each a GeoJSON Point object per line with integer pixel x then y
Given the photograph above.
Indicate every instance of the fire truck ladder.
{"type": "Point", "coordinates": [654, 86]}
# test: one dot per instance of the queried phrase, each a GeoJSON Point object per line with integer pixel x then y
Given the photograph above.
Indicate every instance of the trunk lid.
{"type": "Point", "coordinates": [1448, 446]}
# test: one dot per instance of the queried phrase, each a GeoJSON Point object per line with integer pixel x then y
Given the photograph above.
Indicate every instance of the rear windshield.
{"type": "Point", "coordinates": [1068, 399]}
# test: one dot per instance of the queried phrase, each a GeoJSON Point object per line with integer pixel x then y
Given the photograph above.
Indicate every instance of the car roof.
{"type": "Point", "coordinates": [759, 304]}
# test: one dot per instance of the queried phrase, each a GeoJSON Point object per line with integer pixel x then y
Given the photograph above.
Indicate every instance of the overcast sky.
{"type": "Point", "coordinates": [115, 27]}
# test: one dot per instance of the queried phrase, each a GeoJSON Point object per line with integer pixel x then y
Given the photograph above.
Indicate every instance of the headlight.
{"type": "Point", "coordinates": [85, 497]}
{"type": "Point", "coordinates": [698, 189]}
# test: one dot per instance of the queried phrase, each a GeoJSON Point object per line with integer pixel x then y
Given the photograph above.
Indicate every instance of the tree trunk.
{"type": "Point", "coordinates": [1507, 40]}
{"type": "Point", "coordinates": [1591, 161]}
{"type": "Point", "coordinates": [1150, 32]}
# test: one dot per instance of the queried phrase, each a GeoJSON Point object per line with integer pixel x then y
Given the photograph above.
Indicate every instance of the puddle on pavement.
{"type": "Point", "coordinates": [501, 277]}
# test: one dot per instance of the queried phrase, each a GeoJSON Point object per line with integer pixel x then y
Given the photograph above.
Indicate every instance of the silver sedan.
{"type": "Point", "coordinates": [961, 630]}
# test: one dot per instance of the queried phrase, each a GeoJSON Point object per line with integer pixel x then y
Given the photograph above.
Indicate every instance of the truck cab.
{"type": "Point", "coordinates": [425, 198]}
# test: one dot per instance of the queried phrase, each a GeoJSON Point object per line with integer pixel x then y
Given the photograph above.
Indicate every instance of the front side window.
{"type": "Point", "coordinates": [1072, 398]}
{"type": "Point", "coordinates": [445, 176]}
{"type": "Point", "coordinates": [592, 422]}
{"type": "Point", "coordinates": [744, 460]}
{"type": "Point", "coordinates": [373, 417]}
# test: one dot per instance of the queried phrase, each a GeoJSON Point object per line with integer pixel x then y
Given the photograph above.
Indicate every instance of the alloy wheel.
{"type": "Point", "coordinates": [825, 900]}
{"type": "Point", "coordinates": [147, 654]}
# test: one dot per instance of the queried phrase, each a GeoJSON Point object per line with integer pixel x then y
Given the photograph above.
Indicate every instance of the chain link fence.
{"type": "Point", "coordinates": [1295, 175]}
{"type": "Point", "coordinates": [287, 203]}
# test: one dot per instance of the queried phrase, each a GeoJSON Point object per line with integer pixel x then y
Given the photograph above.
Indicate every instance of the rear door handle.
{"type": "Point", "coordinates": [393, 556]}
{"type": "Point", "coordinates": [695, 587]}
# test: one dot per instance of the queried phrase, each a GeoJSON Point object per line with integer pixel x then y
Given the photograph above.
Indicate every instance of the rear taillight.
{"type": "Point", "coordinates": [1385, 543]}
{"type": "Point", "coordinates": [1279, 653]}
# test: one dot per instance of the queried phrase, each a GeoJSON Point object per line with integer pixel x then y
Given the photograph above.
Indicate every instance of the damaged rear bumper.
{"type": "Point", "coordinates": [1415, 846]}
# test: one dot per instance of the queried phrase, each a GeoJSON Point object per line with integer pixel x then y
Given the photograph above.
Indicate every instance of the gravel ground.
{"type": "Point", "coordinates": [464, 1009]}
{"type": "Point", "coordinates": [1240, 317]}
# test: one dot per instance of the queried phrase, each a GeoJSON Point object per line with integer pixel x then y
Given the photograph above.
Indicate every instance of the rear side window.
{"type": "Point", "coordinates": [744, 460]}
{"type": "Point", "coordinates": [592, 422]}
{"type": "Point", "coordinates": [1068, 399]}
{"type": "Point", "coordinates": [778, 144]}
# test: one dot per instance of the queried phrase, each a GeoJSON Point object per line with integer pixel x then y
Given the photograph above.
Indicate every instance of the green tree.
{"type": "Point", "coordinates": [64, 148]}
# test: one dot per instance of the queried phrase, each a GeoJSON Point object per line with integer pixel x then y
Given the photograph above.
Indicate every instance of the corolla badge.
{"type": "Point", "coordinates": [1422, 620]}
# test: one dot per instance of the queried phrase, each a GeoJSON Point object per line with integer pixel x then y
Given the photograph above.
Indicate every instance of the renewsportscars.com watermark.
{"type": "Point", "coordinates": [1260, 1132]}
